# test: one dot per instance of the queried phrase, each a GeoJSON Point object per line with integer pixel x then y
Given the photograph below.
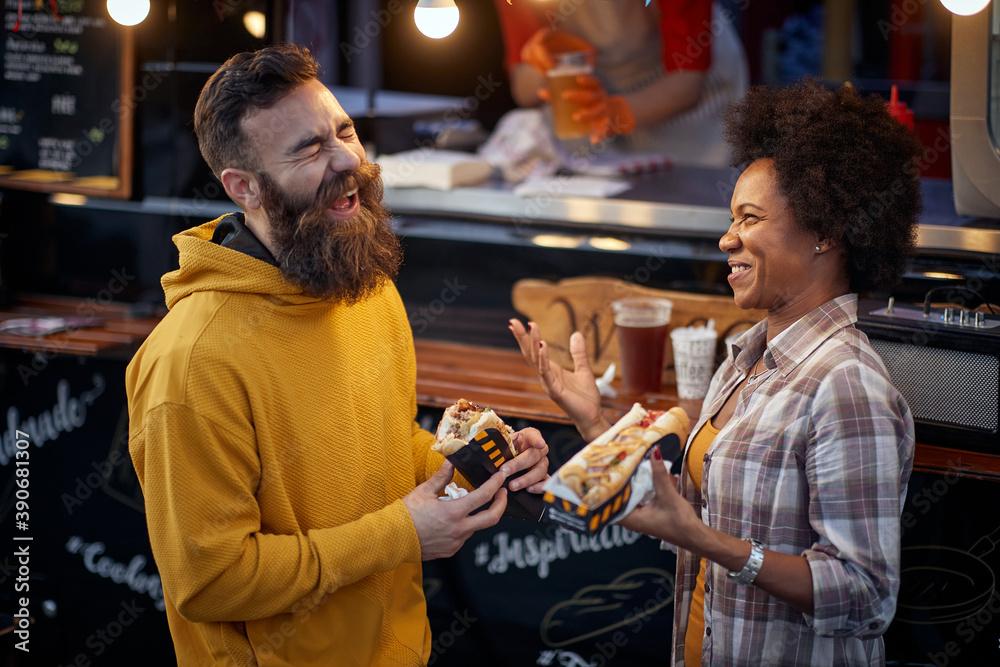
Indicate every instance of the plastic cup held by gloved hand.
{"type": "Point", "coordinates": [562, 77]}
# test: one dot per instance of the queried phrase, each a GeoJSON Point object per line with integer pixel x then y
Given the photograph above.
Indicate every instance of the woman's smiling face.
{"type": "Point", "coordinates": [770, 256]}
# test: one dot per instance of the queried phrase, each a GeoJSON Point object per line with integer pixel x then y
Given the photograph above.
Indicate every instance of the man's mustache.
{"type": "Point", "coordinates": [338, 186]}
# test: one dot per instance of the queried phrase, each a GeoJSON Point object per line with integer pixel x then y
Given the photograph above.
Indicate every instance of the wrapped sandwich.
{"type": "Point", "coordinates": [595, 487]}
{"type": "Point", "coordinates": [601, 467]}
{"type": "Point", "coordinates": [477, 442]}
{"type": "Point", "coordinates": [461, 423]}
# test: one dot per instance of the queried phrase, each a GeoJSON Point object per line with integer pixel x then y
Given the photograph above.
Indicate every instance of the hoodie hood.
{"type": "Point", "coordinates": [206, 266]}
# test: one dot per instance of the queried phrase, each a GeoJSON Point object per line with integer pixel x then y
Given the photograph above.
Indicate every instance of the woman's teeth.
{"type": "Point", "coordinates": [737, 269]}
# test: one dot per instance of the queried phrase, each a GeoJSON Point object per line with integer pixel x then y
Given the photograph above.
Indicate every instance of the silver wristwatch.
{"type": "Point", "coordinates": [752, 567]}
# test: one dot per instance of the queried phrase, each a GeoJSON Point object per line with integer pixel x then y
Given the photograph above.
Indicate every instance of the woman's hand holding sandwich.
{"type": "Point", "coordinates": [667, 516]}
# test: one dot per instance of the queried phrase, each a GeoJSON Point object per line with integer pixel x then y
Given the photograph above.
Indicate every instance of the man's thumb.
{"type": "Point", "coordinates": [441, 478]}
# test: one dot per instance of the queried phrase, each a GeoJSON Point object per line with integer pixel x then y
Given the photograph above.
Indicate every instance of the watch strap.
{"type": "Point", "coordinates": [753, 564]}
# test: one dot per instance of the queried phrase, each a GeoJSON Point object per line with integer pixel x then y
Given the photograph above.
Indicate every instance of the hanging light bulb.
{"type": "Point", "coordinates": [128, 12]}
{"type": "Point", "coordinates": [436, 18]}
{"type": "Point", "coordinates": [965, 7]}
{"type": "Point", "coordinates": [256, 23]}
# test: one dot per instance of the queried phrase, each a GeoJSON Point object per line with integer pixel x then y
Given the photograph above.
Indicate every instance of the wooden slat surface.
{"type": "Point", "coordinates": [446, 371]}
{"type": "Point", "coordinates": [501, 378]}
{"type": "Point", "coordinates": [930, 458]}
{"type": "Point", "coordinates": [113, 332]}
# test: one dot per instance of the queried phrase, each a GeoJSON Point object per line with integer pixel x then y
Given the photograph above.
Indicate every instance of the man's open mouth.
{"type": "Point", "coordinates": [347, 201]}
{"type": "Point", "coordinates": [347, 205]}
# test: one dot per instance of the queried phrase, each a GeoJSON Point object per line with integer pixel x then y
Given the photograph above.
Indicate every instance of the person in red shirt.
{"type": "Point", "coordinates": [663, 73]}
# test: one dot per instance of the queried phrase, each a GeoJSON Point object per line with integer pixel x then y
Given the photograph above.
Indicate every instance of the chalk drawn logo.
{"type": "Point", "coordinates": [942, 584]}
{"type": "Point", "coordinates": [595, 610]}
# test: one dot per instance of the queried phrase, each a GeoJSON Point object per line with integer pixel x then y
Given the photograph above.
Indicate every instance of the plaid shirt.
{"type": "Point", "coordinates": [814, 462]}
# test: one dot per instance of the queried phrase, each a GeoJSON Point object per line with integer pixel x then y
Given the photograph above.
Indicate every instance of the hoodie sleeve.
{"type": "Point", "coordinates": [216, 564]}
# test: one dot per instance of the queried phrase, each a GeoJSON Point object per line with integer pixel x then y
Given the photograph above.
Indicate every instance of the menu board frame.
{"type": "Point", "coordinates": [41, 180]}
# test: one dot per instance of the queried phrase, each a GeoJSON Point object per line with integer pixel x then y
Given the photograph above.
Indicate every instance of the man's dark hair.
{"type": "Point", "coordinates": [246, 83]}
{"type": "Point", "coordinates": [849, 170]}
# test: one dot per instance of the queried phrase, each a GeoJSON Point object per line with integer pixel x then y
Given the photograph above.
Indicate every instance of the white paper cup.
{"type": "Point", "coordinates": [694, 359]}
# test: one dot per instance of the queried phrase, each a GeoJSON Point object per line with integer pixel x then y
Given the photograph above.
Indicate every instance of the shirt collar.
{"type": "Point", "coordinates": [791, 347]}
{"type": "Point", "coordinates": [232, 232]}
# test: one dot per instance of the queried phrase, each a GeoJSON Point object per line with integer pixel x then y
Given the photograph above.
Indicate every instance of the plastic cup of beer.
{"type": "Point", "coordinates": [642, 336]}
{"type": "Point", "coordinates": [694, 359]}
{"type": "Point", "coordinates": [562, 77]}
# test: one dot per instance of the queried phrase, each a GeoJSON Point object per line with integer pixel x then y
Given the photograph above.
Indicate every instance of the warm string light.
{"type": "Point", "coordinates": [256, 23]}
{"type": "Point", "coordinates": [436, 18]}
{"type": "Point", "coordinates": [965, 7]}
{"type": "Point", "coordinates": [128, 12]}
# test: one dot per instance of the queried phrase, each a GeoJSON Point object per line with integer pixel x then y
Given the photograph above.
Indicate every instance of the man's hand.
{"type": "Point", "coordinates": [532, 452]}
{"type": "Point", "coordinates": [575, 392]}
{"type": "Point", "coordinates": [443, 527]}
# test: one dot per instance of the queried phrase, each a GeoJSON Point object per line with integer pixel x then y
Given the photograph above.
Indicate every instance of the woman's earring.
{"type": "Point", "coordinates": [818, 248]}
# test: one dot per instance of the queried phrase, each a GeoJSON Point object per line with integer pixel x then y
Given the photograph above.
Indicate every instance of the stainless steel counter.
{"type": "Point", "coordinates": [685, 202]}
{"type": "Point", "coordinates": [688, 202]}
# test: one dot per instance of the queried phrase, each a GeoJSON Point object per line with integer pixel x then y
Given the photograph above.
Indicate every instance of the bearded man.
{"type": "Point", "coordinates": [290, 495]}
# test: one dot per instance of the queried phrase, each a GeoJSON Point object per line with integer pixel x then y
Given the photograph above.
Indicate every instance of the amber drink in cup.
{"type": "Point", "coordinates": [562, 77]}
{"type": "Point", "coordinates": [642, 326]}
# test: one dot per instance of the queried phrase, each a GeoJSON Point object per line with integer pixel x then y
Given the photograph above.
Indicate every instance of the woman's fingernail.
{"type": "Point", "coordinates": [657, 455]}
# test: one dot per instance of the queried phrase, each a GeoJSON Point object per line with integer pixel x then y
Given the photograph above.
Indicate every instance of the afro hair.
{"type": "Point", "coordinates": [848, 169]}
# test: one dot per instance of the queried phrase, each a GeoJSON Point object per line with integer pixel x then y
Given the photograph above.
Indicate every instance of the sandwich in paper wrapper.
{"type": "Point", "coordinates": [477, 442]}
{"type": "Point", "coordinates": [604, 481]}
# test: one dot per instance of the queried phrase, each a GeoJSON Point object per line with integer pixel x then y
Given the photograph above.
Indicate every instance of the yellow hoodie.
{"type": "Point", "coordinates": [273, 435]}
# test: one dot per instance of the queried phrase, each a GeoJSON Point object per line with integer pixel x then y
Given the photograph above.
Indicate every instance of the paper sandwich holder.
{"type": "Point", "coordinates": [481, 458]}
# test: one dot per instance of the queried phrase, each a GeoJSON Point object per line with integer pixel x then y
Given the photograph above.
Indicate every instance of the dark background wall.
{"type": "Point", "coordinates": [73, 250]}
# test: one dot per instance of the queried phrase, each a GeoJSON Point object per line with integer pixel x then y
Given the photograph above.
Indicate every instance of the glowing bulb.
{"type": "Point", "coordinates": [128, 12]}
{"type": "Point", "coordinates": [436, 18]}
{"type": "Point", "coordinates": [255, 23]}
{"type": "Point", "coordinates": [965, 7]}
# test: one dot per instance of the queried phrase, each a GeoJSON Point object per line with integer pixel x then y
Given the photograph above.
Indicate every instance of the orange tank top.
{"type": "Point", "coordinates": [696, 617]}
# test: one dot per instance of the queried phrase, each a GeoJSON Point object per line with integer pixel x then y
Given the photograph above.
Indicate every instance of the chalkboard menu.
{"type": "Point", "coordinates": [66, 100]}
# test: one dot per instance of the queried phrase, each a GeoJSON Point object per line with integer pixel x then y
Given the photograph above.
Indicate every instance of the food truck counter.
{"type": "Point", "coordinates": [683, 201]}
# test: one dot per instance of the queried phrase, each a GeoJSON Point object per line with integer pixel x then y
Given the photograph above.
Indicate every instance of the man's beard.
{"type": "Point", "coordinates": [344, 260]}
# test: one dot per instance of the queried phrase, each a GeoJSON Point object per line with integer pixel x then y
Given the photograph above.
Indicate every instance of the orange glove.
{"type": "Point", "coordinates": [540, 47]}
{"type": "Point", "coordinates": [609, 115]}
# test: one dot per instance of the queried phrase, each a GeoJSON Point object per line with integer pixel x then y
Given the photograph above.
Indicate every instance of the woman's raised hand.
{"type": "Point", "coordinates": [574, 391]}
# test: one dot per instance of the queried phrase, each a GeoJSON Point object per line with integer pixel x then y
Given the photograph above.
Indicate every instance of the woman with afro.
{"type": "Point", "coordinates": [786, 510]}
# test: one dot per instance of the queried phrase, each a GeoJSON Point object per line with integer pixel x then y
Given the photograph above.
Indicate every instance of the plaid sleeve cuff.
{"type": "Point", "coordinates": [844, 603]}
